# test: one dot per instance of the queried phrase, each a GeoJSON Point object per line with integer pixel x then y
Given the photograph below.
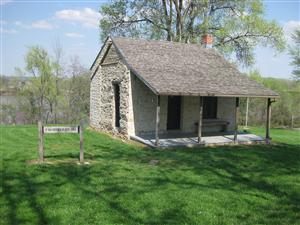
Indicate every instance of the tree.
{"type": "Point", "coordinates": [295, 54]}
{"type": "Point", "coordinates": [76, 88]}
{"type": "Point", "coordinates": [49, 93]}
{"type": "Point", "coordinates": [237, 25]}
{"type": "Point", "coordinates": [58, 74]}
{"type": "Point", "coordinates": [39, 91]}
{"type": "Point", "coordinates": [285, 110]}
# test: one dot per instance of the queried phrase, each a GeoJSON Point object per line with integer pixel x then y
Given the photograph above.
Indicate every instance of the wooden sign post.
{"type": "Point", "coordinates": [61, 129]}
{"type": "Point", "coordinates": [80, 128]}
{"type": "Point", "coordinates": [41, 141]}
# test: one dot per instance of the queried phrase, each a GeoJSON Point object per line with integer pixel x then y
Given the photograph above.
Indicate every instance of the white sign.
{"type": "Point", "coordinates": [52, 130]}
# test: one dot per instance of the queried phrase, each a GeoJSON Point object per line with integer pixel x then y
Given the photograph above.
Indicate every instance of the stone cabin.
{"type": "Point", "coordinates": [142, 87]}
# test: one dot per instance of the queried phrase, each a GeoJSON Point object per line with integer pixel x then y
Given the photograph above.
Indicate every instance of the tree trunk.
{"type": "Point", "coordinates": [179, 25]}
{"type": "Point", "coordinates": [168, 19]}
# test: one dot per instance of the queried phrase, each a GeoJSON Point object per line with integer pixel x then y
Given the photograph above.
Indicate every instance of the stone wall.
{"type": "Point", "coordinates": [95, 100]}
{"type": "Point", "coordinates": [144, 108]}
{"type": "Point", "coordinates": [190, 113]}
{"type": "Point", "coordinates": [95, 94]}
{"type": "Point", "coordinates": [144, 111]}
{"type": "Point", "coordinates": [102, 114]}
{"type": "Point", "coordinates": [226, 110]}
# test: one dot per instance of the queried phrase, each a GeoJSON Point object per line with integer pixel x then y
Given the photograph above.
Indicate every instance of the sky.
{"type": "Point", "coordinates": [75, 24]}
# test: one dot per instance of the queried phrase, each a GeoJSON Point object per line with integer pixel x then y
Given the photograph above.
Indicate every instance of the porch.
{"type": "Point", "coordinates": [207, 116]}
{"type": "Point", "coordinates": [191, 139]}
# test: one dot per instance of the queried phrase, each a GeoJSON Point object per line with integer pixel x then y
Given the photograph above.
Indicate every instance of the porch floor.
{"type": "Point", "coordinates": [191, 139]}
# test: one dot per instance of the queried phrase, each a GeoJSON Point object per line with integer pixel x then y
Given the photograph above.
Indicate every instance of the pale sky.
{"type": "Point", "coordinates": [75, 24]}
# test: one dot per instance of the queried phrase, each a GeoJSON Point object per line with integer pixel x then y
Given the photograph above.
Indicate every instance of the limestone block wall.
{"type": "Point", "coordinates": [144, 111]}
{"type": "Point", "coordinates": [190, 113]}
{"type": "Point", "coordinates": [144, 108]}
{"type": "Point", "coordinates": [226, 110]}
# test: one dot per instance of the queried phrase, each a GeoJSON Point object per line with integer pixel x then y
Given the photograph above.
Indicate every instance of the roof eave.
{"type": "Point", "coordinates": [218, 95]}
{"type": "Point", "coordinates": [99, 53]}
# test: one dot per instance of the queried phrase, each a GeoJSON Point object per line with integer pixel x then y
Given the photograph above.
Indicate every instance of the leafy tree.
{"type": "Point", "coordinates": [73, 98]}
{"type": "Point", "coordinates": [237, 25]}
{"type": "Point", "coordinates": [40, 89]}
{"type": "Point", "coordinates": [295, 54]}
{"type": "Point", "coordinates": [285, 111]}
{"type": "Point", "coordinates": [8, 114]}
{"type": "Point", "coordinates": [78, 86]}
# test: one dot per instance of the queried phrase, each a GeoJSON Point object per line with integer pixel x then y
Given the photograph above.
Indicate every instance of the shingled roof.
{"type": "Point", "coordinates": [171, 68]}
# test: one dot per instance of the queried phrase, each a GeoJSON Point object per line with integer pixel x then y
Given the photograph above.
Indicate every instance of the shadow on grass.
{"type": "Point", "coordinates": [19, 189]}
{"type": "Point", "coordinates": [120, 184]}
{"type": "Point", "coordinates": [247, 169]}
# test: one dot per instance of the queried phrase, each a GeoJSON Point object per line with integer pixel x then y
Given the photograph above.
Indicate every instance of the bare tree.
{"type": "Point", "coordinates": [58, 70]}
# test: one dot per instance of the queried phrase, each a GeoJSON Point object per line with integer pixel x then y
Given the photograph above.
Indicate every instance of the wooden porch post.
{"type": "Point", "coordinates": [268, 124]}
{"type": "Point", "coordinates": [236, 118]}
{"type": "Point", "coordinates": [200, 120]}
{"type": "Point", "coordinates": [157, 121]}
{"type": "Point", "coordinates": [247, 111]}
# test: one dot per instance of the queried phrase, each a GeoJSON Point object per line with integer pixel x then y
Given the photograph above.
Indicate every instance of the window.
{"type": "Point", "coordinates": [117, 103]}
{"type": "Point", "coordinates": [210, 107]}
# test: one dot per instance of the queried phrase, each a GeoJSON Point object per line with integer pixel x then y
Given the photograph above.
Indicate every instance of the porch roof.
{"type": "Point", "coordinates": [171, 68]}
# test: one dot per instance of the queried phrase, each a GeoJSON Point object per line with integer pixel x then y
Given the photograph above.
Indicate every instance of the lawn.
{"type": "Point", "coordinates": [258, 184]}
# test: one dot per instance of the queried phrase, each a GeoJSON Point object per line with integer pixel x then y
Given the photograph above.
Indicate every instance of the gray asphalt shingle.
{"type": "Point", "coordinates": [171, 68]}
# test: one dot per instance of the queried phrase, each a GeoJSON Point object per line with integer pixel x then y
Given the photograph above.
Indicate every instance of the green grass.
{"type": "Point", "coordinates": [285, 136]}
{"type": "Point", "coordinates": [258, 184]}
